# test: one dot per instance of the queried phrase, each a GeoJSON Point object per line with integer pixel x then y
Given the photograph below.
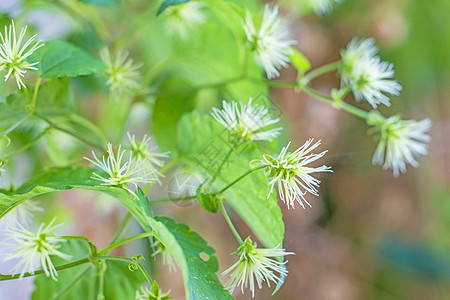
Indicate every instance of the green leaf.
{"type": "Point", "coordinates": [201, 285]}
{"type": "Point", "coordinates": [100, 2]}
{"type": "Point", "coordinates": [62, 59]}
{"type": "Point", "coordinates": [168, 110]}
{"type": "Point", "coordinates": [299, 61]}
{"type": "Point", "coordinates": [187, 247]}
{"type": "Point", "coordinates": [168, 3]}
{"type": "Point", "coordinates": [204, 142]}
{"type": "Point", "coordinates": [119, 282]}
{"type": "Point", "coordinates": [55, 180]}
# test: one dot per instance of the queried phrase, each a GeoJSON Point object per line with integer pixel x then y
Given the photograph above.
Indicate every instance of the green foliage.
{"type": "Point", "coordinates": [83, 281]}
{"type": "Point", "coordinates": [62, 59]}
{"type": "Point", "coordinates": [185, 246]}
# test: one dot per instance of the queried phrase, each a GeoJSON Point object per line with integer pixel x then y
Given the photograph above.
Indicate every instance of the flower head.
{"type": "Point", "coordinates": [321, 7]}
{"type": "Point", "coordinates": [400, 141]}
{"type": "Point", "coordinates": [120, 173]}
{"type": "Point", "coordinates": [148, 156]}
{"type": "Point", "coordinates": [183, 18]}
{"type": "Point", "coordinates": [270, 41]}
{"type": "Point", "coordinates": [246, 122]}
{"type": "Point", "coordinates": [153, 293]}
{"type": "Point", "coordinates": [14, 53]}
{"type": "Point", "coordinates": [371, 78]}
{"type": "Point", "coordinates": [256, 264]}
{"type": "Point", "coordinates": [123, 78]}
{"type": "Point", "coordinates": [291, 174]}
{"type": "Point", "coordinates": [356, 51]}
{"type": "Point", "coordinates": [29, 247]}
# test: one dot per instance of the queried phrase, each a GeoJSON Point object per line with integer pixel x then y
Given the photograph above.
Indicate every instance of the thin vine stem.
{"type": "Point", "coordinates": [239, 178]}
{"type": "Point", "coordinates": [67, 131]}
{"type": "Point", "coordinates": [320, 71]}
{"type": "Point", "coordinates": [124, 241]}
{"type": "Point", "coordinates": [221, 165]}
{"type": "Point", "coordinates": [122, 228]}
{"type": "Point", "coordinates": [340, 105]}
{"type": "Point", "coordinates": [40, 272]}
{"type": "Point", "coordinates": [172, 199]}
{"type": "Point", "coordinates": [230, 224]}
{"type": "Point", "coordinates": [31, 143]}
{"type": "Point", "coordinates": [35, 93]}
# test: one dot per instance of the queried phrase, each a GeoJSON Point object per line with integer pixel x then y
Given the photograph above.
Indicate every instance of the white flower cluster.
{"type": "Point", "coordinates": [139, 166]}
{"type": "Point", "coordinates": [247, 122]}
{"type": "Point", "coordinates": [368, 76]}
{"type": "Point", "coordinates": [123, 78]}
{"type": "Point", "coordinates": [269, 41]}
{"type": "Point", "coordinates": [14, 52]}
{"type": "Point", "coordinates": [290, 172]}
{"type": "Point", "coordinates": [29, 247]}
{"type": "Point", "coordinates": [256, 264]}
{"type": "Point", "coordinates": [400, 141]}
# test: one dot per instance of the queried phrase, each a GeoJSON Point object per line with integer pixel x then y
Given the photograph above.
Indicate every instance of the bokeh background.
{"type": "Point", "coordinates": [368, 235]}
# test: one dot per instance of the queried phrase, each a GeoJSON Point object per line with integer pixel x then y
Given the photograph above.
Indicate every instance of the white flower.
{"type": "Point", "coordinates": [149, 156]}
{"type": "Point", "coordinates": [400, 141]}
{"type": "Point", "coordinates": [121, 173]}
{"type": "Point", "coordinates": [247, 122]}
{"type": "Point", "coordinates": [183, 18]}
{"type": "Point", "coordinates": [270, 42]}
{"type": "Point", "coordinates": [356, 51]}
{"type": "Point", "coordinates": [29, 247]}
{"type": "Point", "coordinates": [290, 173]}
{"type": "Point", "coordinates": [256, 264]}
{"type": "Point", "coordinates": [123, 77]}
{"type": "Point", "coordinates": [321, 7]}
{"type": "Point", "coordinates": [371, 78]}
{"type": "Point", "coordinates": [13, 54]}
{"type": "Point", "coordinates": [154, 293]}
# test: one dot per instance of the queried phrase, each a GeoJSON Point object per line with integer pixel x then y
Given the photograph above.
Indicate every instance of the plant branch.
{"type": "Point", "coordinates": [230, 224]}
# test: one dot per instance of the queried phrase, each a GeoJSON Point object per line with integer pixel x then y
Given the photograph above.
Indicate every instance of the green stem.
{"type": "Point", "coordinates": [101, 281]}
{"type": "Point", "coordinates": [172, 199]}
{"type": "Point", "coordinates": [230, 224]}
{"type": "Point", "coordinates": [320, 71]}
{"type": "Point", "coordinates": [124, 241]}
{"type": "Point", "coordinates": [35, 93]}
{"type": "Point", "coordinates": [144, 271]}
{"type": "Point", "coordinates": [67, 131]}
{"type": "Point", "coordinates": [340, 105]}
{"type": "Point", "coordinates": [239, 178]}
{"type": "Point", "coordinates": [40, 272]}
{"type": "Point", "coordinates": [31, 143]}
{"type": "Point", "coordinates": [221, 165]}
{"type": "Point", "coordinates": [83, 238]}
{"type": "Point", "coordinates": [281, 84]}
{"type": "Point", "coordinates": [7, 131]}
{"type": "Point", "coordinates": [122, 228]}
{"type": "Point", "coordinates": [71, 284]}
